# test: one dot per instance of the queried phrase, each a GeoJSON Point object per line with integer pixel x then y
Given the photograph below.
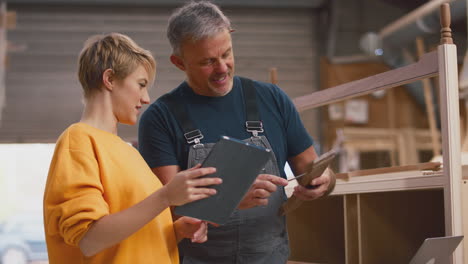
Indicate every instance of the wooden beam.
{"type": "Point", "coordinates": [391, 112]}
{"type": "Point", "coordinates": [422, 166]}
{"type": "Point", "coordinates": [352, 222]}
{"type": "Point", "coordinates": [273, 75]}
{"type": "Point", "coordinates": [429, 103]}
{"type": "Point", "coordinates": [448, 80]}
{"type": "Point", "coordinates": [426, 67]}
{"type": "Point", "coordinates": [389, 182]}
{"type": "Point", "coordinates": [450, 113]}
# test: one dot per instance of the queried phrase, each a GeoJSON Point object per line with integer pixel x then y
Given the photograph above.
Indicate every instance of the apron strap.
{"type": "Point", "coordinates": [253, 123]}
{"type": "Point", "coordinates": [191, 133]}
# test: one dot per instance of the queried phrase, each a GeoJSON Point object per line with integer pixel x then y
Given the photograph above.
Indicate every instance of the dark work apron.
{"type": "Point", "coordinates": [254, 236]}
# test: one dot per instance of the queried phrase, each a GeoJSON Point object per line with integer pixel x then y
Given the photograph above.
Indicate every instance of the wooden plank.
{"type": "Point", "coordinates": [273, 75]}
{"type": "Point", "coordinates": [367, 132]}
{"type": "Point", "coordinates": [388, 182]}
{"type": "Point", "coordinates": [417, 167]}
{"type": "Point", "coordinates": [391, 112]}
{"type": "Point", "coordinates": [426, 67]}
{"type": "Point", "coordinates": [429, 103]}
{"type": "Point", "coordinates": [408, 147]}
{"type": "Point", "coordinates": [313, 170]}
{"type": "Point", "coordinates": [371, 145]}
{"type": "Point", "coordinates": [448, 83]}
{"type": "Point", "coordinates": [352, 221]}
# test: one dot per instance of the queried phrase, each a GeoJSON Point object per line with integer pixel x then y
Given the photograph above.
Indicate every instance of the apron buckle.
{"type": "Point", "coordinates": [254, 127]}
{"type": "Point", "coordinates": [193, 136]}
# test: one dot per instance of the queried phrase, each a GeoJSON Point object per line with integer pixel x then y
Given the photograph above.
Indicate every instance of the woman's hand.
{"type": "Point", "coordinates": [188, 227]}
{"type": "Point", "coordinates": [186, 186]}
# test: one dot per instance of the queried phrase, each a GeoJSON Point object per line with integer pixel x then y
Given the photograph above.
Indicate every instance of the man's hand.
{"type": "Point", "coordinates": [188, 227]}
{"type": "Point", "coordinates": [261, 189]}
{"type": "Point", "coordinates": [317, 188]}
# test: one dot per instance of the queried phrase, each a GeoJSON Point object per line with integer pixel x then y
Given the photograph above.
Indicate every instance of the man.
{"type": "Point", "coordinates": [178, 130]}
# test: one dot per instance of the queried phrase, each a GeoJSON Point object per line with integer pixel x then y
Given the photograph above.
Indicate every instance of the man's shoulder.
{"type": "Point", "coordinates": [269, 93]}
{"type": "Point", "coordinates": [174, 92]}
{"type": "Point", "coordinates": [162, 102]}
{"type": "Point", "coordinates": [261, 86]}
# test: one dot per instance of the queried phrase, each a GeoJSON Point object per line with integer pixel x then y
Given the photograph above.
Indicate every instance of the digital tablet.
{"type": "Point", "coordinates": [238, 163]}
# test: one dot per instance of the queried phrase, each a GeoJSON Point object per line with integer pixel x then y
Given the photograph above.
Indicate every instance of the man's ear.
{"type": "Point", "coordinates": [178, 62]}
{"type": "Point", "coordinates": [108, 79]}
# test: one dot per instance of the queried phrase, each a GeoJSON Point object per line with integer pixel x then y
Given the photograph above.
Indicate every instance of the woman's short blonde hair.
{"type": "Point", "coordinates": [113, 51]}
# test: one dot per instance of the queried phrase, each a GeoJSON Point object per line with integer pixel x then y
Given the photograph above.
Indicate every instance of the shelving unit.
{"type": "Point", "coordinates": [384, 217]}
{"type": "Point", "coordinates": [369, 219]}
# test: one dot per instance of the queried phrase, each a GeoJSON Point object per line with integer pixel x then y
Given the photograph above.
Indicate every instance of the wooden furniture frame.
{"type": "Point", "coordinates": [406, 142]}
{"type": "Point", "coordinates": [443, 63]}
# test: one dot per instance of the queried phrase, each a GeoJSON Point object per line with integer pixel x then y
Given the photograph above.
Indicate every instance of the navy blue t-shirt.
{"type": "Point", "coordinates": [161, 140]}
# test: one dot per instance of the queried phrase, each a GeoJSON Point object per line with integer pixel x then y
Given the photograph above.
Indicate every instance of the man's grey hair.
{"type": "Point", "coordinates": [195, 21]}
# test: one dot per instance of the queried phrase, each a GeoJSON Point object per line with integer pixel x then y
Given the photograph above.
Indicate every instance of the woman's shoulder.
{"type": "Point", "coordinates": [77, 131]}
{"type": "Point", "coordinates": [81, 136]}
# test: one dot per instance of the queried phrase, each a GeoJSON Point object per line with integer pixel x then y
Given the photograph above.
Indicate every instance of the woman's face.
{"type": "Point", "coordinates": [129, 95]}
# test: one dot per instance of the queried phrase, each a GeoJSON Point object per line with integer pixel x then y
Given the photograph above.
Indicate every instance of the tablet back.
{"type": "Point", "coordinates": [436, 250]}
{"type": "Point", "coordinates": [238, 163]}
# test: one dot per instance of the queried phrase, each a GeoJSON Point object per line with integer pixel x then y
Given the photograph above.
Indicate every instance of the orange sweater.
{"type": "Point", "coordinates": [94, 173]}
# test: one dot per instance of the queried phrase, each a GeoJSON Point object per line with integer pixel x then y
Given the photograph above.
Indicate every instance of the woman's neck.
{"type": "Point", "coordinates": [98, 112]}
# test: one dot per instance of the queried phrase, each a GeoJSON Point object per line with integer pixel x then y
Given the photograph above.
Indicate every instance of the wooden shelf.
{"type": "Point", "coordinates": [407, 180]}
{"type": "Point", "coordinates": [378, 218]}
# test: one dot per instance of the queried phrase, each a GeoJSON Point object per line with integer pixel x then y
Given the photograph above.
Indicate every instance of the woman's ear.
{"type": "Point", "coordinates": [108, 79]}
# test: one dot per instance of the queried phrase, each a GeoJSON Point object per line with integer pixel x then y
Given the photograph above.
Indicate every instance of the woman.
{"type": "Point", "coordinates": [102, 203]}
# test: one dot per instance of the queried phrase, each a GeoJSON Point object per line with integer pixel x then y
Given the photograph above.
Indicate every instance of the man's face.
{"type": "Point", "coordinates": [208, 64]}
